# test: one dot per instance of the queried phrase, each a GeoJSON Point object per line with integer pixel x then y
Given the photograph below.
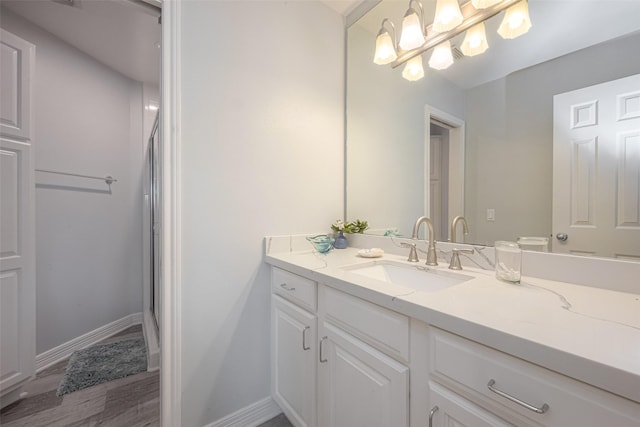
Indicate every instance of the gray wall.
{"type": "Point", "coordinates": [510, 138]}
{"type": "Point", "coordinates": [88, 120]}
{"type": "Point", "coordinates": [262, 154]}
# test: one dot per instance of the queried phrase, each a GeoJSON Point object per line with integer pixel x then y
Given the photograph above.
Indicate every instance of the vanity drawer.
{"type": "Point", "coordinates": [297, 289]}
{"type": "Point", "coordinates": [460, 362]}
{"type": "Point", "coordinates": [379, 327]}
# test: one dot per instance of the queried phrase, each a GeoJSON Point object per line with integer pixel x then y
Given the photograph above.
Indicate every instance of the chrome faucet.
{"type": "Point", "coordinates": [454, 223]}
{"type": "Point", "coordinates": [432, 258]}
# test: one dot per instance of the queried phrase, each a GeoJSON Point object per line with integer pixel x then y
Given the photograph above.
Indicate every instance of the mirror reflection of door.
{"type": "Point", "coordinates": [596, 158]}
{"type": "Point", "coordinates": [438, 180]}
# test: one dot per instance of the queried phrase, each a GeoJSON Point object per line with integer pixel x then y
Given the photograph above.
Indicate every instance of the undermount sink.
{"type": "Point", "coordinates": [416, 277]}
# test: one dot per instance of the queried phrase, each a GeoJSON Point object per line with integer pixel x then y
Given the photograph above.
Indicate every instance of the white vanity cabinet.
{"type": "Point", "coordinates": [294, 346]}
{"type": "Point", "coordinates": [347, 366]}
{"type": "Point", "coordinates": [517, 391]}
{"type": "Point", "coordinates": [360, 385]}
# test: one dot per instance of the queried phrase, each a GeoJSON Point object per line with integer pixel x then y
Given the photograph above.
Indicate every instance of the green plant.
{"type": "Point", "coordinates": [356, 226]}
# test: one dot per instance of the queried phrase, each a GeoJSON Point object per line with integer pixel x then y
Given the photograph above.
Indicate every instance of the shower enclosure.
{"type": "Point", "coordinates": [153, 225]}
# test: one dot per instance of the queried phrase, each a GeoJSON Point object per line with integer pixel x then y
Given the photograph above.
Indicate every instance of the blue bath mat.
{"type": "Point", "coordinates": [102, 363]}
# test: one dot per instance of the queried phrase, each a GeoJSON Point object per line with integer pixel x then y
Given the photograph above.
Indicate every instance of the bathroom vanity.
{"type": "Point", "coordinates": [352, 347]}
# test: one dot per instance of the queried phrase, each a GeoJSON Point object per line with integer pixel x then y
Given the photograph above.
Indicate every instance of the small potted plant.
{"type": "Point", "coordinates": [340, 227]}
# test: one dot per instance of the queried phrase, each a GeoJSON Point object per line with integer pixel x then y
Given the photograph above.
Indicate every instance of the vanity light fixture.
{"type": "Point", "coordinates": [385, 44]}
{"type": "Point", "coordinates": [412, 35]}
{"type": "Point", "coordinates": [447, 17]}
{"type": "Point", "coordinates": [413, 71]}
{"type": "Point", "coordinates": [416, 38]}
{"type": "Point", "coordinates": [516, 21]}
{"type": "Point", "coordinates": [475, 41]}
{"type": "Point", "coordinates": [441, 58]}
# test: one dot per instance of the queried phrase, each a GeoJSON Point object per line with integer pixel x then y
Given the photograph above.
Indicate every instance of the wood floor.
{"type": "Point", "coordinates": [133, 401]}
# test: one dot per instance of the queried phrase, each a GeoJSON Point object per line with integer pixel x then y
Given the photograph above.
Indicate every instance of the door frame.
{"type": "Point", "coordinates": [171, 245]}
{"type": "Point", "coordinates": [456, 128]}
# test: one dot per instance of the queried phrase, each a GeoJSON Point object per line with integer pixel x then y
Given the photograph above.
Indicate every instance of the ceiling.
{"type": "Point", "coordinates": [122, 34]}
{"type": "Point", "coordinates": [559, 27]}
{"type": "Point", "coordinates": [343, 7]}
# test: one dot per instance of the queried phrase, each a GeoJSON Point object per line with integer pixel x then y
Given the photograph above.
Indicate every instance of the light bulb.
{"type": "Point", "coordinates": [447, 17]}
{"type": "Point", "coordinates": [475, 40]}
{"type": "Point", "coordinates": [385, 50]}
{"type": "Point", "coordinates": [413, 70]}
{"type": "Point", "coordinates": [483, 4]}
{"type": "Point", "coordinates": [412, 35]}
{"type": "Point", "coordinates": [441, 57]}
{"type": "Point", "coordinates": [516, 21]}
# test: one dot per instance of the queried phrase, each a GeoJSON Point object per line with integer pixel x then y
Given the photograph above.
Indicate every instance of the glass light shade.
{"type": "Point", "coordinates": [385, 50]}
{"type": "Point", "coordinates": [475, 41]}
{"type": "Point", "coordinates": [413, 70]}
{"type": "Point", "coordinates": [412, 36]}
{"type": "Point", "coordinates": [441, 57]}
{"type": "Point", "coordinates": [447, 17]}
{"type": "Point", "coordinates": [516, 21]}
{"type": "Point", "coordinates": [483, 4]}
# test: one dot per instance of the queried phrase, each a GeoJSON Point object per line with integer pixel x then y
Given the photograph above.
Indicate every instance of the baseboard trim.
{"type": "Point", "coordinates": [250, 416]}
{"type": "Point", "coordinates": [56, 354]}
{"type": "Point", "coordinates": [151, 339]}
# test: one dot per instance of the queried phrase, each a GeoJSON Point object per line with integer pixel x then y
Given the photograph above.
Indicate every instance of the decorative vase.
{"type": "Point", "coordinates": [341, 242]}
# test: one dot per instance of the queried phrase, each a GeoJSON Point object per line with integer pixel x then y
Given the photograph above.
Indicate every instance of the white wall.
{"type": "Point", "coordinates": [88, 120]}
{"type": "Point", "coordinates": [510, 138]}
{"type": "Point", "coordinates": [385, 130]}
{"type": "Point", "coordinates": [262, 153]}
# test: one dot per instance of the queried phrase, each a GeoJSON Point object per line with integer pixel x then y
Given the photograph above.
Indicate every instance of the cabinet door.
{"type": "Point", "coordinates": [293, 371]}
{"type": "Point", "coordinates": [359, 386]}
{"type": "Point", "coordinates": [452, 410]}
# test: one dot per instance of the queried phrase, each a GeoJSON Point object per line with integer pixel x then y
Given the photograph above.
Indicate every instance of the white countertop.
{"type": "Point", "coordinates": [587, 333]}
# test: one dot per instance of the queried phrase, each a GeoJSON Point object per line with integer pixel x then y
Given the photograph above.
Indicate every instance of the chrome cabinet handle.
{"type": "Point", "coordinates": [535, 409]}
{"type": "Point", "coordinates": [431, 414]}
{"type": "Point", "coordinates": [304, 338]}
{"type": "Point", "coordinates": [286, 288]}
{"type": "Point", "coordinates": [563, 237]}
{"type": "Point", "coordinates": [322, 360]}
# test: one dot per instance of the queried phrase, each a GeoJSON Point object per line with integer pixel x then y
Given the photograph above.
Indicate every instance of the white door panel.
{"type": "Point", "coordinates": [16, 59]}
{"type": "Point", "coordinates": [596, 172]}
{"type": "Point", "coordinates": [17, 222]}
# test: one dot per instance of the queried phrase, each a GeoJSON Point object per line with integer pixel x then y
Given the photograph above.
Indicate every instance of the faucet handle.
{"type": "Point", "coordinates": [455, 258]}
{"type": "Point", "coordinates": [413, 253]}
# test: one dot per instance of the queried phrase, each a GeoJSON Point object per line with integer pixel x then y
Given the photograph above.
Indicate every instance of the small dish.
{"type": "Point", "coordinates": [371, 253]}
{"type": "Point", "coordinates": [322, 243]}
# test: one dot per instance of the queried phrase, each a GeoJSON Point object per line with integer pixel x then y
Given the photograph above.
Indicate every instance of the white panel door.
{"type": "Point", "coordinates": [359, 386]}
{"type": "Point", "coordinates": [294, 349]}
{"type": "Point", "coordinates": [16, 60]}
{"type": "Point", "coordinates": [17, 221]}
{"type": "Point", "coordinates": [596, 170]}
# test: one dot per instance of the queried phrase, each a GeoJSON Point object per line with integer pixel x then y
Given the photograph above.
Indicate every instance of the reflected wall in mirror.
{"type": "Point", "coordinates": [505, 99]}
